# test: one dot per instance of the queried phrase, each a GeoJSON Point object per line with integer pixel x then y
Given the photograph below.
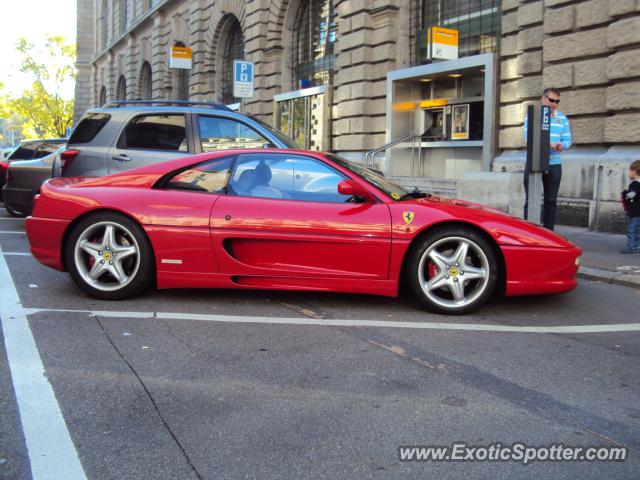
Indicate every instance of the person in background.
{"type": "Point", "coordinates": [559, 141]}
{"type": "Point", "coordinates": [631, 202]}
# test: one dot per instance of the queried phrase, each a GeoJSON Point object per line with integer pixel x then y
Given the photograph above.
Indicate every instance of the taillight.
{"type": "Point", "coordinates": [66, 159]}
{"type": "Point", "coordinates": [4, 165]}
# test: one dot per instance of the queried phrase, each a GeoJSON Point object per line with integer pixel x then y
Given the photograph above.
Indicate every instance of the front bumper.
{"type": "Point", "coordinates": [45, 240]}
{"type": "Point", "coordinates": [538, 271]}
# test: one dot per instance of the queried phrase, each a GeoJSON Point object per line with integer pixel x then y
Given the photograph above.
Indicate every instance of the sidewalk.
{"type": "Point", "coordinates": [601, 258]}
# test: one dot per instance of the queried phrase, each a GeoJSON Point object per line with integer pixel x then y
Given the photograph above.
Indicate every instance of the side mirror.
{"type": "Point", "coordinates": [352, 188]}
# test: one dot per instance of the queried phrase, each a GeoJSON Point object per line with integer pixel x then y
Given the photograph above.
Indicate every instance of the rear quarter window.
{"type": "Point", "coordinates": [89, 127]}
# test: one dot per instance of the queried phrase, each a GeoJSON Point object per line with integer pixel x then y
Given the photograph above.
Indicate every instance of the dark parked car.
{"type": "Point", "coordinates": [128, 134]}
{"type": "Point", "coordinates": [30, 150]}
{"type": "Point", "coordinates": [23, 181]}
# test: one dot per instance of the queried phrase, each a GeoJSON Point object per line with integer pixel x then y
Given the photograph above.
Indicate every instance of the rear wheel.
{"type": "Point", "coordinates": [109, 257]}
{"type": "Point", "coordinates": [453, 270]}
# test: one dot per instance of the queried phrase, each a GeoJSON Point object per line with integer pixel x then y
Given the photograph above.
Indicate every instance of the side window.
{"type": "Point", "coordinates": [155, 132]}
{"type": "Point", "coordinates": [88, 128]}
{"type": "Point", "coordinates": [210, 177]}
{"type": "Point", "coordinates": [217, 133]}
{"type": "Point", "coordinates": [314, 181]}
{"type": "Point", "coordinates": [291, 177]}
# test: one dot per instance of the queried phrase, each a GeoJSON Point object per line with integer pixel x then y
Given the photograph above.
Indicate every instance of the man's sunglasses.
{"type": "Point", "coordinates": [553, 100]}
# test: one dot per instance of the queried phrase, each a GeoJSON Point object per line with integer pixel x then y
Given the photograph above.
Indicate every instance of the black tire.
{"type": "Point", "coordinates": [480, 290]}
{"type": "Point", "coordinates": [145, 273]}
{"type": "Point", "coordinates": [14, 213]}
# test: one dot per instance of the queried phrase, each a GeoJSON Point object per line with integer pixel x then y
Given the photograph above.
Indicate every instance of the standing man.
{"type": "Point", "coordinates": [560, 140]}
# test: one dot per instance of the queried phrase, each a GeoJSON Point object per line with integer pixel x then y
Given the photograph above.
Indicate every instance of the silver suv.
{"type": "Point", "coordinates": [129, 134]}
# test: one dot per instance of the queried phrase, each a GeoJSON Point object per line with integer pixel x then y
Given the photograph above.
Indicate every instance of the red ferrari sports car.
{"type": "Point", "coordinates": [288, 220]}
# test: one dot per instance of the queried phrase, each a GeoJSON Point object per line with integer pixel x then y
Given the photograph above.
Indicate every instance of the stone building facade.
{"type": "Point", "coordinates": [588, 48]}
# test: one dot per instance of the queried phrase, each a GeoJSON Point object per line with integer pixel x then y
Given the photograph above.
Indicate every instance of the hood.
{"type": "Point", "coordinates": [504, 228]}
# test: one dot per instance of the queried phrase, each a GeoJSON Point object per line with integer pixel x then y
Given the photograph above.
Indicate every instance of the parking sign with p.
{"type": "Point", "coordinates": [242, 79]}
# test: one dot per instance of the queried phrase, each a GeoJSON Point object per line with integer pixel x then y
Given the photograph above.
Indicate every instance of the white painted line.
{"type": "Point", "coordinates": [52, 453]}
{"type": "Point", "coordinates": [617, 327]}
{"type": "Point", "coordinates": [21, 232]}
{"type": "Point", "coordinates": [13, 218]}
{"type": "Point", "coordinates": [17, 254]}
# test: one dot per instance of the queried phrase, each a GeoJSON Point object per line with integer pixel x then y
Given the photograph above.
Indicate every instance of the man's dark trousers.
{"type": "Point", "coordinates": [551, 186]}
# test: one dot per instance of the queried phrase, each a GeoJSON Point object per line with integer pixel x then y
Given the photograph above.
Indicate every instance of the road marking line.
{"type": "Point", "coordinates": [11, 218]}
{"type": "Point", "coordinates": [21, 232]}
{"type": "Point", "coordinates": [618, 327]}
{"type": "Point", "coordinates": [17, 254]}
{"type": "Point", "coordinates": [52, 454]}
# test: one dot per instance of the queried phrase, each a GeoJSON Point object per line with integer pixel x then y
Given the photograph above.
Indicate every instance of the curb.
{"type": "Point", "coordinates": [607, 276]}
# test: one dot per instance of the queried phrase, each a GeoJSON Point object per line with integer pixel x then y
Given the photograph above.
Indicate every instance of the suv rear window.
{"type": "Point", "coordinates": [89, 127]}
{"type": "Point", "coordinates": [156, 132]}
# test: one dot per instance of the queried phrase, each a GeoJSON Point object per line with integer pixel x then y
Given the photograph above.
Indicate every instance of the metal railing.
{"type": "Point", "coordinates": [369, 157]}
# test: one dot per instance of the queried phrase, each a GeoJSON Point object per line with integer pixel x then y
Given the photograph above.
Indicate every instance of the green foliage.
{"type": "Point", "coordinates": [44, 111]}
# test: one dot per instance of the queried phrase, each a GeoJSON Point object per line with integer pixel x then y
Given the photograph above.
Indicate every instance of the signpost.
{"type": "Point", "coordinates": [242, 79]}
{"type": "Point", "coordinates": [538, 131]}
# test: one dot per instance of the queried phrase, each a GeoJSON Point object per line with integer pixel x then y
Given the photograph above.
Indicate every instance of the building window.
{"type": "Point", "coordinates": [477, 21]}
{"type": "Point", "coordinates": [121, 88]}
{"type": "Point", "coordinates": [181, 79]}
{"type": "Point", "coordinates": [103, 97]}
{"type": "Point", "coordinates": [232, 42]}
{"type": "Point", "coordinates": [314, 37]}
{"type": "Point", "coordinates": [105, 23]}
{"type": "Point", "coordinates": [123, 15]}
{"type": "Point", "coordinates": [146, 82]}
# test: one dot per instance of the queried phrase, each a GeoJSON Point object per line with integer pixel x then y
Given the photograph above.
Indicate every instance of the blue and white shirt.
{"type": "Point", "coordinates": [560, 132]}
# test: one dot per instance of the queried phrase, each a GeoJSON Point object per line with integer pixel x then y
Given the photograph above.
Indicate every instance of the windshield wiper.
{"type": "Point", "coordinates": [415, 193]}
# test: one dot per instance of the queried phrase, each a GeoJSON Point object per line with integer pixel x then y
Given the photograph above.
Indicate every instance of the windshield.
{"type": "Point", "coordinates": [281, 136]}
{"type": "Point", "coordinates": [394, 190]}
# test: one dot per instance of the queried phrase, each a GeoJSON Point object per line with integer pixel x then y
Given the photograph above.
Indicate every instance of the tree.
{"type": "Point", "coordinates": [45, 112]}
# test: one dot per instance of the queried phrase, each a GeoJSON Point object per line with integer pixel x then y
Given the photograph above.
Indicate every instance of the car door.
{"type": "Point", "coordinates": [283, 216]}
{"type": "Point", "coordinates": [149, 138]}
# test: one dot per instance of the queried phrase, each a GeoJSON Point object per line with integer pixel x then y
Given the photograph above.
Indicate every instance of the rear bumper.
{"type": "Point", "coordinates": [538, 271]}
{"type": "Point", "coordinates": [20, 199]}
{"type": "Point", "coordinates": [45, 240]}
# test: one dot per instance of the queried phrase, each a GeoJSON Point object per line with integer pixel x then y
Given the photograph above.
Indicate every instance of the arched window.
{"type": "Point", "coordinates": [103, 97]}
{"type": "Point", "coordinates": [105, 23]}
{"type": "Point", "coordinates": [121, 88]}
{"type": "Point", "coordinates": [146, 82]}
{"type": "Point", "coordinates": [181, 80]}
{"type": "Point", "coordinates": [314, 36]}
{"type": "Point", "coordinates": [232, 44]}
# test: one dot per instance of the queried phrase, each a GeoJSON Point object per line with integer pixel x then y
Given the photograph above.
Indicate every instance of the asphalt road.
{"type": "Point", "coordinates": [272, 386]}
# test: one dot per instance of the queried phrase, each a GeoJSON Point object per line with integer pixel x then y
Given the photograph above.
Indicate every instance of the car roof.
{"type": "Point", "coordinates": [166, 109]}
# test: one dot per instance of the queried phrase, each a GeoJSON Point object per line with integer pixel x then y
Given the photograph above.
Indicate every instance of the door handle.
{"type": "Point", "coordinates": [122, 158]}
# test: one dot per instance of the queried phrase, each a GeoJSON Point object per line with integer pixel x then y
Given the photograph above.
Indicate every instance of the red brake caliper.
{"type": "Point", "coordinates": [432, 270]}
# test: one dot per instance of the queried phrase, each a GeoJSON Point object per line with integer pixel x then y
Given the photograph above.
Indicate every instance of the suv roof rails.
{"type": "Point", "coordinates": [165, 103]}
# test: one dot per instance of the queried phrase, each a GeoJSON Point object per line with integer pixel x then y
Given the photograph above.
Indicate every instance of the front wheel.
{"type": "Point", "coordinates": [453, 270]}
{"type": "Point", "coordinates": [109, 257]}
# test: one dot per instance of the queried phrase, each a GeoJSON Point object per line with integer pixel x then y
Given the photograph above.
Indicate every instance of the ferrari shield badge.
{"type": "Point", "coordinates": [408, 217]}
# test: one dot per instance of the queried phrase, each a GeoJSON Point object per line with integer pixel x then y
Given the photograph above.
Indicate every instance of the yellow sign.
{"type": "Point", "coordinates": [442, 43]}
{"type": "Point", "coordinates": [181, 57]}
{"type": "Point", "coordinates": [405, 106]}
{"type": "Point", "coordinates": [408, 217]}
{"type": "Point", "coordinates": [436, 102]}
{"type": "Point", "coordinates": [395, 195]}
